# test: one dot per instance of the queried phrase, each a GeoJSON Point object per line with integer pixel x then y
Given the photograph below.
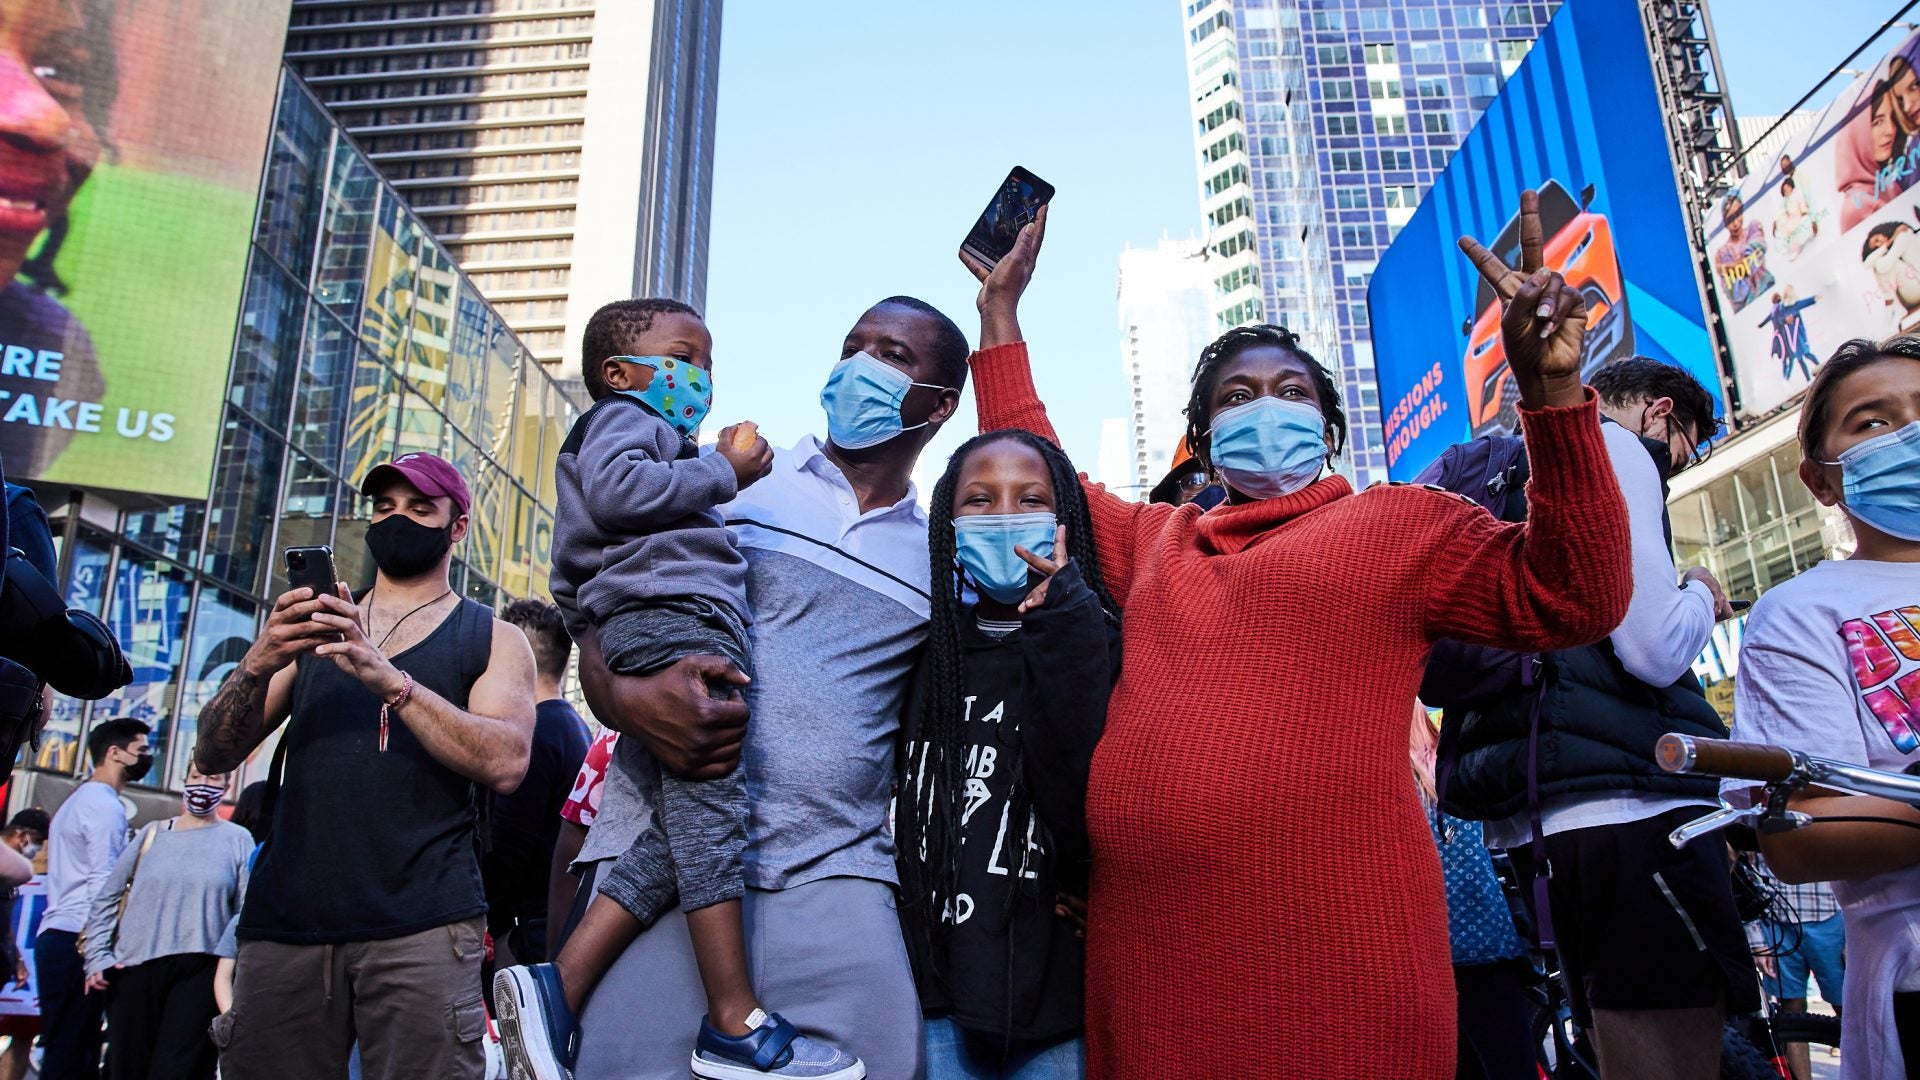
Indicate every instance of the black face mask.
{"type": "Point", "coordinates": [404, 548]}
{"type": "Point", "coordinates": [142, 764]}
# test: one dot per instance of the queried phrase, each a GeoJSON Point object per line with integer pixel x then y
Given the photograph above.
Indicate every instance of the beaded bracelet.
{"type": "Point", "coordinates": [386, 707]}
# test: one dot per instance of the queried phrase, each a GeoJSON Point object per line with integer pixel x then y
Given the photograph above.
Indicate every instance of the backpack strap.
{"type": "Point", "coordinates": [1533, 677]}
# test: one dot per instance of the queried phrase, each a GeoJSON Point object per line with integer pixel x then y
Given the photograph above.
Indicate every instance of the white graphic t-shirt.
{"type": "Point", "coordinates": [1831, 667]}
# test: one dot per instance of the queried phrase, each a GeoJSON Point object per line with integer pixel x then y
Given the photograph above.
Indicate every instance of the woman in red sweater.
{"type": "Point", "coordinates": [1266, 899]}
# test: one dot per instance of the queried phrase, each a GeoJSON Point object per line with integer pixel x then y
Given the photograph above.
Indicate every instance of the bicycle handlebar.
{"type": "Point", "coordinates": [1720, 757]}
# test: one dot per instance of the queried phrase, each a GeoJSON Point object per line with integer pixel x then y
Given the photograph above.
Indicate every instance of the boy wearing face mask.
{"type": "Point", "coordinates": [643, 557]}
{"type": "Point", "coordinates": [89, 832]}
{"type": "Point", "coordinates": [156, 926]}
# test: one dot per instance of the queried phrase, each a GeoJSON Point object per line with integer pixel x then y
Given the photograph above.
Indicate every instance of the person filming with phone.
{"type": "Point", "coordinates": [409, 704]}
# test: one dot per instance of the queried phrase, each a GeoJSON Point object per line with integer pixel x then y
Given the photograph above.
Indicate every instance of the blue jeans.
{"type": "Point", "coordinates": [1815, 947]}
{"type": "Point", "coordinates": [954, 1054]}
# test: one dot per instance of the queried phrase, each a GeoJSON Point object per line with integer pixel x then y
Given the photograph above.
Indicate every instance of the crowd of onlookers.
{"type": "Point", "coordinates": [974, 789]}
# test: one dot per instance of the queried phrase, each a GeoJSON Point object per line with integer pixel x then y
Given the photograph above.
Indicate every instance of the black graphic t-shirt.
{"type": "Point", "coordinates": [1035, 705]}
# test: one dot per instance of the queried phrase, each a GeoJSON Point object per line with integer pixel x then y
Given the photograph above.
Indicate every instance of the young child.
{"type": "Point", "coordinates": [1005, 708]}
{"type": "Point", "coordinates": [1831, 666]}
{"type": "Point", "coordinates": [641, 554]}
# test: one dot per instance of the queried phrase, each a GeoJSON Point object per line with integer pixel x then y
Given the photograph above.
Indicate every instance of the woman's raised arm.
{"type": "Point", "coordinates": [1005, 397]}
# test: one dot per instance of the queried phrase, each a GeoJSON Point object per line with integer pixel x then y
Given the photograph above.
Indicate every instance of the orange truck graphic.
{"type": "Point", "coordinates": [1579, 244]}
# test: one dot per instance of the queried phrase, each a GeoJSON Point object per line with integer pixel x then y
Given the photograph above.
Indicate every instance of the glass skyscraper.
{"type": "Point", "coordinates": [562, 150]}
{"type": "Point", "coordinates": [1319, 125]}
{"type": "Point", "coordinates": [358, 340]}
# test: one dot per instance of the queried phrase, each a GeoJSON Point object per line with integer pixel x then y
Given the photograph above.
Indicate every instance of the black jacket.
{"type": "Point", "coordinates": [1598, 727]}
{"type": "Point", "coordinates": [1010, 968]}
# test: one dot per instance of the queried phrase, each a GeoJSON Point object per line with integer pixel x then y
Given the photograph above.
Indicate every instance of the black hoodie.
{"type": "Point", "coordinates": [1036, 700]}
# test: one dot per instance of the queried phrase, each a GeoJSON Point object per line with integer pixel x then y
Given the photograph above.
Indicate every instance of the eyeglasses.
{"type": "Point", "coordinates": [1194, 483]}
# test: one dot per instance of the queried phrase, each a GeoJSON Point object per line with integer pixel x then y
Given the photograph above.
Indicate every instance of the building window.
{"type": "Point", "coordinates": [1205, 30]}
{"type": "Point", "coordinates": [1333, 55]}
{"type": "Point", "coordinates": [1381, 54]}
{"type": "Point", "coordinates": [1234, 280]}
{"type": "Point", "coordinates": [1423, 18]}
{"type": "Point", "coordinates": [1350, 198]}
{"type": "Point", "coordinates": [1329, 20]}
{"type": "Point", "coordinates": [1427, 52]}
{"type": "Point", "coordinates": [1434, 123]}
{"type": "Point", "coordinates": [1337, 90]}
{"type": "Point", "coordinates": [1343, 124]}
{"type": "Point", "coordinates": [1377, 19]}
{"type": "Point", "coordinates": [1483, 86]}
{"type": "Point", "coordinates": [1383, 89]}
{"type": "Point", "coordinates": [1401, 195]}
{"type": "Point", "coordinates": [1356, 235]}
{"type": "Point", "coordinates": [1514, 51]}
{"type": "Point", "coordinates": [1471, 16]}
{"type": "Point", "coordinates": [1431, 87]}
{"type": "Point", "coordinates": [1347, 161]}
{"type": "Point", "coordinates": [1397, 159]}
{"type": "Point", "coordinates": [1391, 124]}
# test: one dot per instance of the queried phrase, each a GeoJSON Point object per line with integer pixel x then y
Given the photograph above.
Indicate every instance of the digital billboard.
{"type": "Point", "coordinates": [1816, 245]}
{"type": "Point", "coordinates": [132, 134]}
{"type": "Point", "coordinates": [1579, 121]}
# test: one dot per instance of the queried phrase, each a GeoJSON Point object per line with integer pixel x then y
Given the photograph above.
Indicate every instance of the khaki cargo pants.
{"type": "Point", "coordinates": [413, 1004]}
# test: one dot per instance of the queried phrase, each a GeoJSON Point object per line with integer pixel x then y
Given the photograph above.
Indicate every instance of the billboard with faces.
{"type": "Point", "coordinates": [132, 135]}
{"type": "Point", "coordinates": [1817, 245]}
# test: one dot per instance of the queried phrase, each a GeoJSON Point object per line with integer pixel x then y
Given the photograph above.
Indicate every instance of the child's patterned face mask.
{"type": "Point", "coordinates": [680, 393]}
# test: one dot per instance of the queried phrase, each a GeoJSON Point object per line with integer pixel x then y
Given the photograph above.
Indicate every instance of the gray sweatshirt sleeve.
{"type": "Point", "coordinates": [630, 483]}
{"type": "Point", "coordinates": [105, 917]}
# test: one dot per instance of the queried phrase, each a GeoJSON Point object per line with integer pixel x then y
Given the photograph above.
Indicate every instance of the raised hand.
{"type": "Point", "coordinates": [1045, 567]}
{"type": "Point", "coordinates": [1002, 284]}
{"type": "Point", "coordinates": [1544, 325]}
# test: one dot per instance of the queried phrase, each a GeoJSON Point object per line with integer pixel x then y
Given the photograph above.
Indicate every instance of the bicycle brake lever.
{"type": "Point", "coordinates": [1719, 819]}
{"type": "Point", "coordinates": [1786, 821]}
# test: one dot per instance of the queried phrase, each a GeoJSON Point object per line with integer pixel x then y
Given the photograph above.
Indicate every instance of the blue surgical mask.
{"type": "Point", "coordinates": [1881, 481]}
{"type": "Point", "coordinates": [862, 398]}
{"type": "Point", "coordinates": [984, 545]}
{"type": "Point", "coordinates": [680, 393]}
{"type": "Point", "coordinates": [1269, 447]}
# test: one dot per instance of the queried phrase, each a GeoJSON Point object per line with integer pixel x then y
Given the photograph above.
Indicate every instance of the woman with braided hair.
{"type": "Point", "coordinates": [1265, 898]}
{"type": "Point", "coordinates": [1005, 708]}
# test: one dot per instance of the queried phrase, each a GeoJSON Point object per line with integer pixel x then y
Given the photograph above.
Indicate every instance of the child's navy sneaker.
{"type": "Point", "coordinates": [539, 1038]}
{"type": "Point", "coordinates": [772, 1048]}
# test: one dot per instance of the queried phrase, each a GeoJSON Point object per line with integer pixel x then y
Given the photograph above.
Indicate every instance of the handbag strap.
{"type": "Point", "coordinates": [120, 912]}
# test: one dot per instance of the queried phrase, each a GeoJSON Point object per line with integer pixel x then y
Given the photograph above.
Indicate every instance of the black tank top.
{"type": "Point", "coordinates": [369, 845]}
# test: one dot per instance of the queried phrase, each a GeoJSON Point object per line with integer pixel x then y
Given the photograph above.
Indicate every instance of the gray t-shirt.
{"type": "Point", "coordinates": [839, 608]}
{"type": "Point", "coordinates": [185, 891]}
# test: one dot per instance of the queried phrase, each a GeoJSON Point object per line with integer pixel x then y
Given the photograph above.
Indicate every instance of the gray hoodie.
{"type": "Point", "coordinates": [637, 519]}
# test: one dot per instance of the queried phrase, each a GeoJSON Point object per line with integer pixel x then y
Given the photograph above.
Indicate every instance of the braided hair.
{"type": "Point", "coordinates": [932, 772]}
{"type": "Point", "coordinates": [1213, 359]}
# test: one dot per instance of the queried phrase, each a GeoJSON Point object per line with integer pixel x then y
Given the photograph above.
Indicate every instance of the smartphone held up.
{"type": "Point", "coordinates": [1013, 206]}
{"type": "Point", "coordinates": [312, 568]}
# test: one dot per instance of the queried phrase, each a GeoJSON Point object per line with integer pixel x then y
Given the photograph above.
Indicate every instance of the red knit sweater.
{"type": "Point", "coordinates": [1267, 901]}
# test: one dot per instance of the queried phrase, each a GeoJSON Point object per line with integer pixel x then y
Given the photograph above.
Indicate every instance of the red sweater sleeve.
{"type": "Point", "coordinates": [1565, 577]}
{"type": "Point", "coordinates": [1005, 397]}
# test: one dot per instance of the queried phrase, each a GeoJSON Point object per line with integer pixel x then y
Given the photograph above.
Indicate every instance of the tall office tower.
{"type": "Point", "coordinates": [562, 150]}
{"type": "Point", "coordinates": [1166, 322]}
{"type": "Point", "coordinates": [1319, 126]}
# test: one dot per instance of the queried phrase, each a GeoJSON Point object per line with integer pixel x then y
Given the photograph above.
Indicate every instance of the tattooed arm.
{"type": "Point", "coordinates": [255, 699]}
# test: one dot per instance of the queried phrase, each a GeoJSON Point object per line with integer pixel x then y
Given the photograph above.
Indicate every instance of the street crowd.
{"type": "Point", "coordinates": [1037, 782]}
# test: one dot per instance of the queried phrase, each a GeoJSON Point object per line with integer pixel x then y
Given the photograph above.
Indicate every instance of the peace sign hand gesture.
{"type": "Point", "coordinates": [1045, 567]}
{"type": "Point", "coordinates": [1544, 326]}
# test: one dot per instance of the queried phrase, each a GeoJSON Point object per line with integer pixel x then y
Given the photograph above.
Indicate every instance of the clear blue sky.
{"type": "Point", "coordinates": [857, 141]}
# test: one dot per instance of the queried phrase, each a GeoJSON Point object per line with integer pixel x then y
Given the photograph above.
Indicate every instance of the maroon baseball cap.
{"type": "Point", "coordinates": [432, 474]}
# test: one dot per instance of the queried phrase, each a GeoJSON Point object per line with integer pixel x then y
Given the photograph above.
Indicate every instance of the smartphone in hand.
{"type": "Point", "coordinates": [312, 568]}
{"type": "Point", "coordinates": [1017, 203]}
